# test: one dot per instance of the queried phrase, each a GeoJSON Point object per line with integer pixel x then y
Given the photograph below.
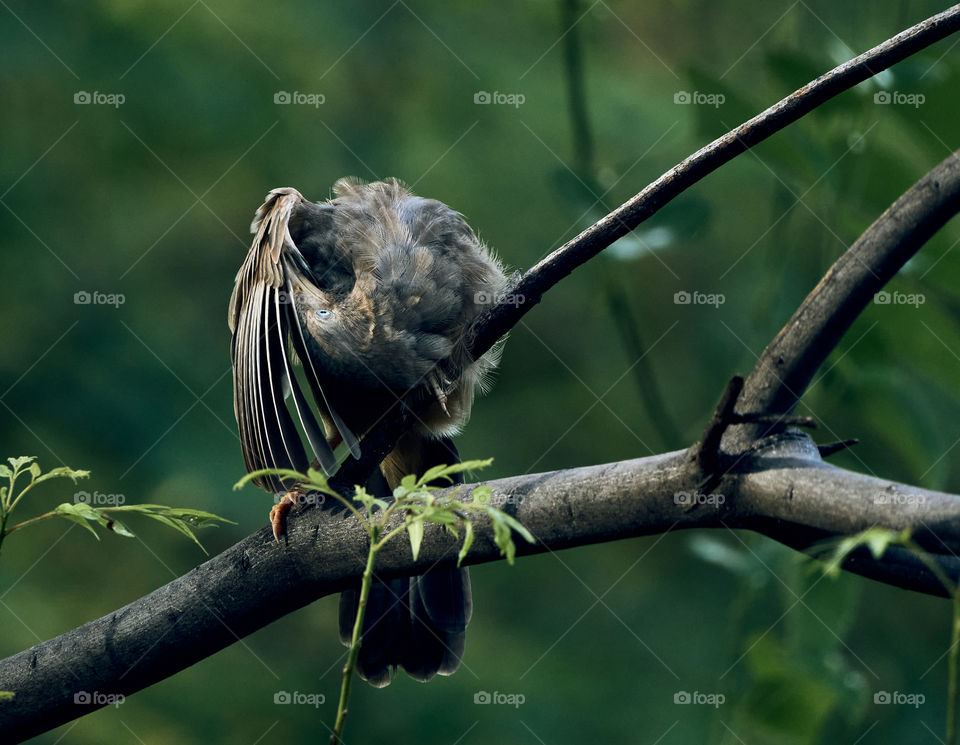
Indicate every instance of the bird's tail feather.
{"type": "Point", "coordinates": [418, 623]}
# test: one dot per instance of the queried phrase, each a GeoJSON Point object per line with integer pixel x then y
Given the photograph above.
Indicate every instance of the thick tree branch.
{"type": "Point", "coordinates": [788, 364]}
{"type": "Point", "coordinates": [783, 484]}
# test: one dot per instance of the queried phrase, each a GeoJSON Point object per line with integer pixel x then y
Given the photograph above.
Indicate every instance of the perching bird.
{"type": "Point", "coordinates": [372, 293]}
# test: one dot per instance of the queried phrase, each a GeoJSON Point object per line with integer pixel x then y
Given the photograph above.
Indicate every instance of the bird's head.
{"type": "Point", "coordinates": [339, 327]}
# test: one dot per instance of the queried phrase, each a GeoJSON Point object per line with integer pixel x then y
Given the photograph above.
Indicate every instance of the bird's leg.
{"type": "Point", "coordinates": [278, 513]}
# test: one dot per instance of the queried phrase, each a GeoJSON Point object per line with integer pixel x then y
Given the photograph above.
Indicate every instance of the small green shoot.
{"type": "Point", "coordinates": [877, 540]}
{"type": "Point", "coordinates": [419, 503]}
{"type": "Point", "coordinates": [81, 511]}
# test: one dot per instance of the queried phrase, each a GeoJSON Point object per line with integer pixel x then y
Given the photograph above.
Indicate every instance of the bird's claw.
{"type": "Point", "coordinates": [278, 516]}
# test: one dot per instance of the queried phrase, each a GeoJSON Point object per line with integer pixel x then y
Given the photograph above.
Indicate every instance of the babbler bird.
{"type": "Point", "coordinates": [372, 292]}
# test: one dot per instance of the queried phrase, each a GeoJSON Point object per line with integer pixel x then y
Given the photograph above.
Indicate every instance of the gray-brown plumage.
{"type": "Point", "coordinates": [370, 294]}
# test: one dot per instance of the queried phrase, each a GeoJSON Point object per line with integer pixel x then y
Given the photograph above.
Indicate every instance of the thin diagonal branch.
{"type": "Point", "coordinates": [544, 275]}
{"type": "Point", "coordinates": [496, 322]}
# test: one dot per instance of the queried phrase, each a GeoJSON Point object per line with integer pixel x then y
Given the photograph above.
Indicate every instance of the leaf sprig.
{"type": "Point", "coordinates": [416, 499]}
{"type": "Point", "coordinates": [181, 519]}
{"type": "Point", "coordinates": [878, 540]}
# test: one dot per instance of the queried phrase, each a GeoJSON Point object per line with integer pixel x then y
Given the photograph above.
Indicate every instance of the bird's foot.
{"type": "Point", "coordinates": [278, 514]}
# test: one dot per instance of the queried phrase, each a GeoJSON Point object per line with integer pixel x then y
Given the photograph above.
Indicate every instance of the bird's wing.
{"type": "Point", "coordinates": [262, 319]}
{"type": "Point", "coordinates": [300, 346]}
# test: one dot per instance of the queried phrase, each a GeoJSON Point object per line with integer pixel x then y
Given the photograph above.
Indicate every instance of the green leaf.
{"type": "Point", "coordinates": [482, 494]}
{"type": "Point", "coordinates": [415, 529]}
{"type": "Point", "coordinates": [84, 514]}
{"type": "Point", "coordinates": [439, 515]}
{"type": "Point", "coordinates": [119, 528]}
{"type": "Point", "coordinates": [467, 541]}
{"type": "Point", "coordinates": [363, 496]}
{"type": "Point", "coordinates": [64, 472]}
{"type": "Point", "coordinates": [503, 525]}
{"type": "Point", "coordinates": [195, 518]}
{"type": "Point", "coordinates": [501, 536]}
{"type": "Point", "coordinates": [181, 519]}
{"type": "Point", "coordinates": [69, 512]}
{"type": "Point", "coordinates": [876, 539]}
{"type": "Point", "coordinates": [316, 476]}
{"type": "Point", "coordinates": [34, 471]}
{"type": "Point", "coordinates": [517, 526]}
{"type": "Point", "coordinates": [80, 509]}
{"type": "Point", "coordinates": [20, 462]}
{"type": "Point", "coordinates": [317, 480]}
{"type": "Point", "coordinates": [177, 525]}
{"type": "Point", "coordinates": [283, 473]}
{"type": "Point", "coordinates": [445, 472]}
{"type": "Point", "coordinates": [7, 695]}
{"type": "Point", "coordinates": [5, 471]}
{"type": "Point", "coordinates": [434, 473]}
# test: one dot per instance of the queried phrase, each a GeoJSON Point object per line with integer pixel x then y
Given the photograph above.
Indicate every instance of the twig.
{"type": "Point", "coordinates": [832, 448]}
{"type": "Point", "coordinates": [365, 583]}
{"type": "Point", "coordinates": [708, 451]}
{"type": "Point", "coordinates": [545, 274]}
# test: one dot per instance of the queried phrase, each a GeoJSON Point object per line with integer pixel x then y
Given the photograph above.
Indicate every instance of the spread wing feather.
{"type": "Point", "coordinates": [263, 321]}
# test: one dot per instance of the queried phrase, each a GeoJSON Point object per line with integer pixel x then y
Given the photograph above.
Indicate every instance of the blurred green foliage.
{"type": "Point", "coordinates": [151, 199]}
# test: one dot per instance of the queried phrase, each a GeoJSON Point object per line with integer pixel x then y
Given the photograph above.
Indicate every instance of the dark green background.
{"type": "Point", "coordinates": [598, 640]}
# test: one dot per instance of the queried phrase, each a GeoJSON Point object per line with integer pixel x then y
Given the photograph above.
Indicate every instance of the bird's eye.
{"type": "Point", "coordinates": [323, 313]}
